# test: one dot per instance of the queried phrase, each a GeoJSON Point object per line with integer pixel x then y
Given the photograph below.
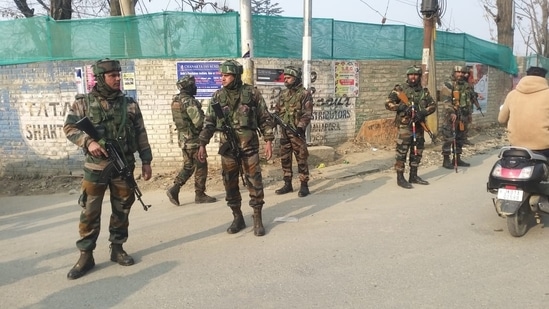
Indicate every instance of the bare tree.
{"type": "Point", "coordinates": [61, 9]}
{"type": "Point", "coordinates": [531, 18]}
{"type": "Point", "coordinates": [502, 14]}
{"type": "Point", "coordinates": [265, 7]}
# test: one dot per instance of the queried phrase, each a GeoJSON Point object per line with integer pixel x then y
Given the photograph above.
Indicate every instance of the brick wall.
{"type": "Point", "coordinates": [34, 100]}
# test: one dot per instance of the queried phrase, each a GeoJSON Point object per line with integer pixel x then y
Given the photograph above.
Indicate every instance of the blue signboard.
{"type": "Point", "coordinates": [206, 74]}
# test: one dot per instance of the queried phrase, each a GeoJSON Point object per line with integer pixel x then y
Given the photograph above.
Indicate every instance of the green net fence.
{"type": "Point", "coordinates": [188, 35]}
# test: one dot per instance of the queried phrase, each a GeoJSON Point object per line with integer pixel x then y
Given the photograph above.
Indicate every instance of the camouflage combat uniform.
{"type": "Point", "coordinates": [115, 117]}
{"type": "Point", "coordinates": [407, 99]}
{"type": "Point", "coordinates": [457, 95]}
{"type": "Point", "coordinates": [246, 111]}
{"type": "Point", "coordinates": [295, 109]}
{"type": "Point", "coordinates": [188, 117]}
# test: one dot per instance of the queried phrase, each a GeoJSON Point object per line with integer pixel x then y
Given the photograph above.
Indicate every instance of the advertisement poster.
{"type": "Point", "coordinates": [270, 76]}
{"type": "Point", "coordinates": [206, 75]}
{"type": "Point", "coordinates": [128, 81]}
{"type": "Point", "coordinates": [346, 79]}
{"type": "Point", "coordinates": [479, 78]}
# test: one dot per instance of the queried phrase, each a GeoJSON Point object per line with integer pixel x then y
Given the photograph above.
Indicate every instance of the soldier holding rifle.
{"type": "Point", "coordinates": [412, 104]}
{"type": "Point", "coordinates": [239, 111]}
{"type": "Point", "coordinates": [118, 124]}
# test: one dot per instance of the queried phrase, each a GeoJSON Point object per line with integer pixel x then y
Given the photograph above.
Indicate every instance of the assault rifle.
{"type": "Point", "coordinates": [402, 96]}
{"type": "Point", "coordinates": [286, 126]}
{"type": "Point", "coordinates": [115, 157]}
{"type": "Point", "coordinates": [231, 147]}
{"type": "Point", "coordinates": [474, 99]}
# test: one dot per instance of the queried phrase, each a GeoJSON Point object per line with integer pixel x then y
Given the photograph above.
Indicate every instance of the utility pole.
{"type": "Point", "coordinates": [307, 51]}
{"type": "Point", "coordinates": [307, 42]}
{"type": "Point", "coordinates": [430, 11]}
{"type": "Point", "coordinates": [246, 41]}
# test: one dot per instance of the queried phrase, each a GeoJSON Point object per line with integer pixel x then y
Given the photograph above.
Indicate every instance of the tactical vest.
{"type": "Point", "coordinates": [464, 95]}
{"type": "Point", "coordinates": [291, 109]}
{"type": "Point", "coordinates": [183, 122]}
{"type": "Point", "coordinates": [110, 119]}
{"type": "Point", "coordinates": [415, 95]}
{"type": "Point", "coordinates": [241, 110]}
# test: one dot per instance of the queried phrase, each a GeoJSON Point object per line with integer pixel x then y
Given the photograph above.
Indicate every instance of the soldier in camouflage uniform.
{"type": "Point", "coordinates": [295, 108]}
{"type": "Point", "coordinates": [456, 94]}
{"type": "Point", "coordinates": [245, 111]}
{"type": "Point", "coordinates": [188, 117]}
{"type": "Point", "coordinates": [115, 117]}
{"type": "Point", "coordinates": [412, 104]}
{"type": "Point", "coordinates": [473, 101]}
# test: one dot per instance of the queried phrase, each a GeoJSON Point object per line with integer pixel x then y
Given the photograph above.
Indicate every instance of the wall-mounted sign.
{"type": "Point", "coordinates": [206, 75]}
{"type": "Point", "coordinates": [270, 76]}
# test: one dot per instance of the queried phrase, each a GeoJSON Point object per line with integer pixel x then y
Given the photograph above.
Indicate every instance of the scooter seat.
{"type": "Point", "coordinates": [522, 153]}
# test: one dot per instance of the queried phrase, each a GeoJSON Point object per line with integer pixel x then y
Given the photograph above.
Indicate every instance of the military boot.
{"type": "Point", "coordinates": [414, 178]}
{"type": "Point", "coordinates": [259, 230]}
{"type": "Point", "coordinates": [401, 181]}
{"type": "Point", "coordinates": [461, 162]}
{"type": "Point", "coordinates": [200, 197]}
{"type": "Point", "coordinates": [286, 188]}
{"type": "Point", "coordinates": [82, 266]}
{"type": "Point", "coordinates": [120, 256]}
{"type": "Point", "coordinates": [173, 193]}
{"type": "Point", "coordinates": [447, 163]}
{"type": "Point", "coordinates": [304, 189]}
{"type": "Point", "coordinates": [238, 221]}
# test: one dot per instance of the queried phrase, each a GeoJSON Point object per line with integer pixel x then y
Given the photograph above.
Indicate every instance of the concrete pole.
{"type": "Point", "coordinates": [127, 8]}
{"type": "Point", "coordinates": [246, 41]}
{"type": "Point", "coordinates": [428, 78]}
{"type": "Point", "coordinates": [307, 42]}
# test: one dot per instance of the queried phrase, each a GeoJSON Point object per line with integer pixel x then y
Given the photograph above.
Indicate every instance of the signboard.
{"type": "Point", "coordinates": [206, 75]}
{"type": "Point", "coordinates": [128, 81]}
{"type": "Point", "coordinates": [270, 76]}
{"type": "Point", "coordinates": [346, 79]}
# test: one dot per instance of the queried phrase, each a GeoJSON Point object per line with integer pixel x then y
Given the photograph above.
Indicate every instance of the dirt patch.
{"type": "Point", "coordinates": [485, 139]}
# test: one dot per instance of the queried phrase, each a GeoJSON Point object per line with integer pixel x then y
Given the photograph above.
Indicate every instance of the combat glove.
{"type": "Point", "coordinates": [420, 116]}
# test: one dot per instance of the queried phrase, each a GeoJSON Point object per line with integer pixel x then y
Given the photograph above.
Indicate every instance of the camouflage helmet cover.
{"type": "Point", "coordinates": [293, 71]}
{"type": "Point", "coordinates": [462, 69]}
{"type": "Point", "coordinates": [105, 66]}
{"type": "Point", "coordinates": [185, 82]}
{"type": "Point", "coordinates": [413, 70]}
{"type": "Point", "coordinates": [231, 67]}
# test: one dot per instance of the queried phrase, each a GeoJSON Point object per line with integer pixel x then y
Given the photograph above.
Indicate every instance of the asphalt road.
{"type": "Point", "coordinates": [358, 242]}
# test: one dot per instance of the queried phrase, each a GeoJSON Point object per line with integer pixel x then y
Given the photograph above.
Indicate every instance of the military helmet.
{"type": "Point", "coordinates": [462, 69]}
{"type": "Point", "coordinates": [293, 71]}
{"type": "Point", "coordinates": [413, 70]}
{"type": "Point", "coordinates": [185, 82]}
{"type": "Point", "coordinates": [105, 66]}
{"type": "Point", "coordinates": [231, 67]}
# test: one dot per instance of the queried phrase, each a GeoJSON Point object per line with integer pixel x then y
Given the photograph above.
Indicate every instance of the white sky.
{"type": "Point", "coordinates": [460, 16]}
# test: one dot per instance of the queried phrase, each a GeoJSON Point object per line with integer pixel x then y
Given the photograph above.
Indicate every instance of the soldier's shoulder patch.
{"type": "Point", "coordinates": [448, 85]}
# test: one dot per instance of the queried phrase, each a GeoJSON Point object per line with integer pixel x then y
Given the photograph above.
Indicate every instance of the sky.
{"type": "Point", "coordinates": [459, 16]}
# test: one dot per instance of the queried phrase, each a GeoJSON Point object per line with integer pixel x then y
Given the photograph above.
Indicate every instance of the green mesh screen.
{"type": "Point", "coordinates": [197, 35]}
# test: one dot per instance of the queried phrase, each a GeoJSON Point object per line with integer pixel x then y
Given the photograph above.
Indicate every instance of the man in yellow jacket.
{"type": "Point", "coordinates": [525, 111]}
